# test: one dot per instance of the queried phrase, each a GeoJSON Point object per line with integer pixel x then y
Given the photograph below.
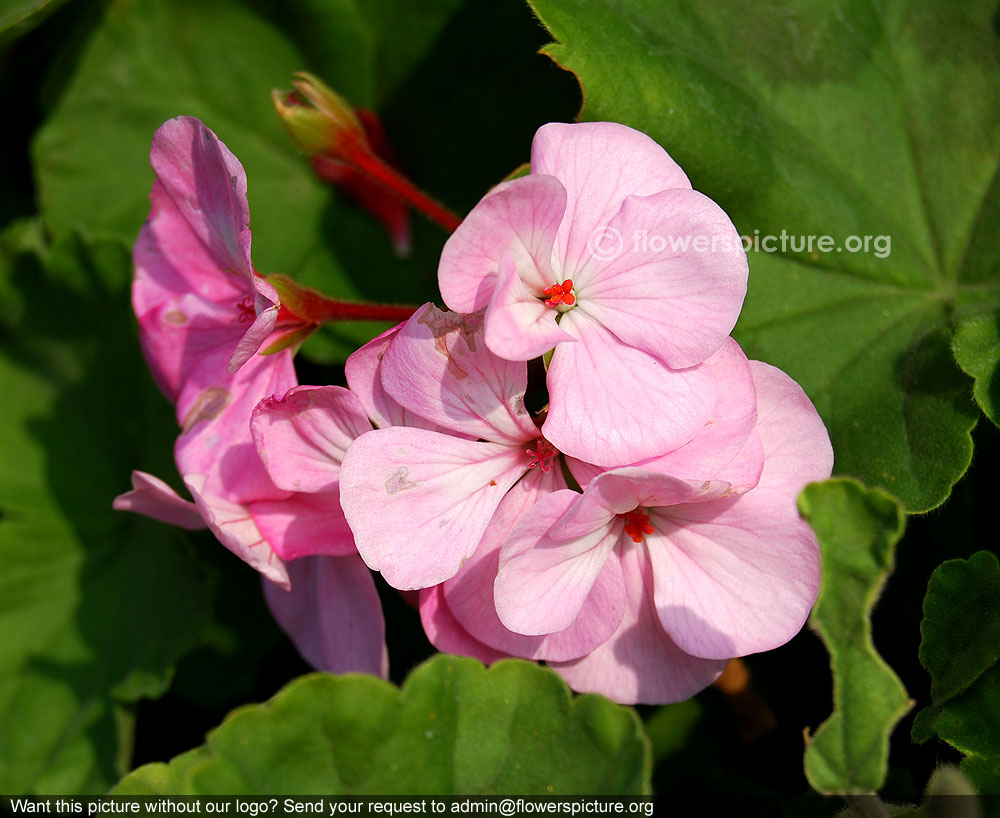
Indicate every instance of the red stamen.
{"type": "Point", "coordinates": [542, 452]}
{"type": "Point", "coordinates": [560, 294]}
{"type": "Point", "coordinates": [247, 311]}
{"type": "Point", "coordinates": [637, 524]}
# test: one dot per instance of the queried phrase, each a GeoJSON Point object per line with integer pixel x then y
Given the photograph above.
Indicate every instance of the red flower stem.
{"type": "Point", "coordinates": [393, 181]}
{"type": "Point", "coordinates": [323, 310]}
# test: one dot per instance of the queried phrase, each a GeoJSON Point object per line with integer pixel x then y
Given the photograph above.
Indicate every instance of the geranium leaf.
{"type": "Point", "coordinates": [95, 606]}
{"type": "Point", "coordinates": [858, 529]}
{"type": "Point", "coordinates": [18, 17]}
{"type": "Point", "coordinates": [960, 649]}
{"type": "Point", "coordinates": [843, 119]}
{"type": "Point", "coordinates": [454, 727]}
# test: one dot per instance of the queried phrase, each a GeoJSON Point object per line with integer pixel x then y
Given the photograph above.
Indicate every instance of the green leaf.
{"type": "Point", "coordinates": [95, 606]}
{"type": "Point", "coordinates": [960, 648]}
{"type": "Point", "coordinates": [857, 529]}
{"type": "Point", "coordinates": [455, 727]}
{"type": "Point", "coordinates": [977, 347]}
{"type": "Point", "coordinates": [843, 119]}
{"type": "Point", "coordinates": [18, 17]}
{"type": "Point", "coordinates": [961, 627]}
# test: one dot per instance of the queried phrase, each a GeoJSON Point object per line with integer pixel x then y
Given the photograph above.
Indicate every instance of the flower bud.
{"type": "Point", "coordinates": [319, 120]}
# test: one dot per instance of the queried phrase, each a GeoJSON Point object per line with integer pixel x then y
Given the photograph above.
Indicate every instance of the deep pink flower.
{"type": "Point", "coordinates": [203, 313]}
{"type": "Point", "coordinates": [708, 575]}
{"type": "Point", "coordinates": [195, 292]}
{"type": "Point", "coordinates": [605, 254]}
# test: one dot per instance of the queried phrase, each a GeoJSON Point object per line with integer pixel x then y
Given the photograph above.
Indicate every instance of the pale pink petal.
{"type": "Point", "coordinates": [209, 188]}
{"type": "Point", "coordinates": [439, 368]}
{"type": "Point", "coordinates": [151, 497]}
{"type": "Point", "coordinates": [304, 524]}
{"type": "Point", "coordinates": [519, 326]}
{"type": "Point", "coordinates": [214, 410]}
{"type": "Point", "coordinates": [419, 501]}
{"type": "Point", "coordinates": [617, 492]}
{"type": "Point", "coordinates": [796, 444]}
{"type": "Point", "coordinates": [446, 634]}
{"type": "Point", "coordinates": [363, 371]}
{"type": "Point", "coordinates": [469, 594]}
{"type": "Point", "coordinates": [542, 582]}
{"type": "Point", "coordinates": [612, 405]}
{"type": "Point", "coordinates": [740, 575]}
{"type": "Point", "coordinates": [724, 435]}
{"type": "Point", "coordinates": [517, 219]}
{"type": "Point", "coordinates": [677, 287]}
{"type": "Point", "coordinates": [733, 580]}
{"type": "Point", "coordinates": [333, 615]}
{"type": "Point", "coordinates": [235, 528]}
{"type": "Point", "coordinates": [640, 664]}
{"type": "Point", "coordinates": [582, 471]}
{"type": "Point", "coordinates": [251, 341]}
{"type": "Point", "coordinates": [301, 436]}
{"type": "Point", "coordinates": [599, 164]}
{"type": "Point", "coordinates": [743, 472]}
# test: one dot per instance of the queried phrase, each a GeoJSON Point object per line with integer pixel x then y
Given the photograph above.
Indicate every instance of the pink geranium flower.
{"type": "Point", "coordinates": [195, 289]}
{"type": "Point", "coordinates": [708, 575]}
{"type": "Point", "coordinates": [605, 254]}
{"type": "Point", "coordinates": [191, 295]}
{"type": "Point", "coordinates": [420, 497]}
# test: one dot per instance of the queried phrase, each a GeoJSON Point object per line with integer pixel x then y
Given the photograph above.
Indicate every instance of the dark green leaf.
{"type": "Point", "coordinates": [961, 627]}
{"type": "Point", "coordinates": [455, 727]}
{"type": "Point", "coordinates": [843, 119]}
{"type": "Point", "coordinates": [95, 606]}
{"type": "Point", "coordinates": [18, 17]}
{"type": "Point", "coordinates": [960, 649]}
{"type": "Point", "coordinates": [857, 529]}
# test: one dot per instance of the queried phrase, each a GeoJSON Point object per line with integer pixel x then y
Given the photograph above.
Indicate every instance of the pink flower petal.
{"type": "Point", "coordinates": [612, 405]}
{"type": "Point", "coordinates": [677, 287]}
{"type": "Point", "coordinates": [599, 164]}
{"type": "Point", "coordinates": [543, 582]}
{"type": "Point", "coordinates": [517, 219]}
{"type": "Point", "coordinates": [235, 528]}
{"type": "Point", "coordinates": [304, 524]}
{"type": "Point", "coordinates": [185, 306]}
{"type": "Point", "coordinates": [725, 434]}
{"type": "Point", "coordinates": [445, 632]}
{"type": "Point", "coordinates": [302, 436]}
{"type": "Point", "coordinates": [333, 615]}
{"type": "Point", "coordinates": [740, 575]}
{"type": "Point", "coordinates": [419, 501]}
{"type": "Point", "coordinates": [470, 600]}
{"type": "Point", "coordinates": [364, 376]}
{"type": "Point", "coordinates": [519, 326]}
{"type": "Point", "coordinates": [439, 368]}
{"type": "Point", "coordinates": [151, 497]}
{"type": "Point", "coordinates": [640, 664]}
{"type": "Point", "coordinates": [214, 409]}
{"type": "Point", "coordinates": [209, 188]}
{"type": "Point", "coordinates": [254, 337]}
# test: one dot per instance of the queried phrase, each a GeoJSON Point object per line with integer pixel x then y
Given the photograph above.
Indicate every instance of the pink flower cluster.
{"type": "Point", "coordinates": [635, 529]}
